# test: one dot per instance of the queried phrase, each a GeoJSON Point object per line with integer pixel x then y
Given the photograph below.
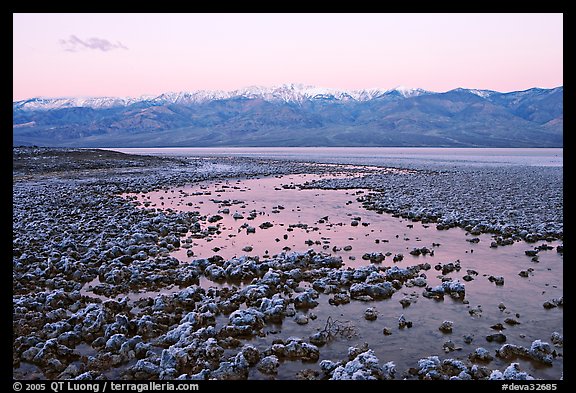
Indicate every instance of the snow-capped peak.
{"type": "Point", "coordinates": [477, 92]}
{"type": "Point", "coordinates": [482, 93]}
{"type": "Point", "coordinates": [408, 91]}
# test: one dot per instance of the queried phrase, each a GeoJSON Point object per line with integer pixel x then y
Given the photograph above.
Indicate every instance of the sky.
{"type": "Point", "coordinates": [130, 55]}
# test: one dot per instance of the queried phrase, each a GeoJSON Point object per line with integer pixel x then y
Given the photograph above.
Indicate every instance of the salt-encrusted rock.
{"type": "Point", "coordinates": [446, 327]}
{"type": "Point", "coordinates": [362, 291]}
{"type": "Point", "coordinates": [406, 301]}
{"type": "Point", "coordinates": [365, 366]}
{"type": "Point", "coordinates": [403, 322]}
{"type": "Point", "coordinates": [69, 339]}
{"type": "Point", "coordinates": [416, 282]}
{"type": "Point", "coordinates": [400, 274]}
{"type": "Point", "coordinates": [557, 339]}
{"type": "Point", "coordinates": [146, 327]}
{"type": "Point", "coordinates": [215, 273]}
{"type": "Point", "coordinates": [296, 348]}
{"type": "Point", "coordinates": [339, 298]}
{"type": "Point", "coordinates": [463, 376]}
{"type": "Point", "coordinates": [129, 349]}
{"type": "Point", "coordinates": [539, 351]}
{"type": "Point", "coordinates": [255, 292]}
{"type": "Point", "coordinates": [305, 300]}
{"type": "Point", "coordinates": [319, 338]}
{"type": "Point", "coordinates": [55, 329]}
{"type": "Point", "coordinates": [559, 302]}
{"type": "Point", "coordinates": [328, 366]}
{"type": "Point", "coordinates": [479, 372]}
{"type": "Point", "coordinates": [251, 354]}
{"type": "Point", "coordinates": [269, 365]}
{"type": "Point", "coordinates": [179, 332]}
{"type": "Point", "coordinates": [44, 352]}
{"type": "Point", "coordinates": [244, 323]}
{"type": "Point", "coordinates": [115, 342]}
{"type": "Point", "coordinates": [144, 369]}
{"type": "Point", "coordinates": [512, 372]}
{"type": "Point", "coordinates": [480, 354]}
{"type": "Point", "coordinates": [273, 309]}
{"type": "Point", "coordinates": [427, 366]}
{"type": "Point", "coordinates": [234, 369]}
{"type": "Point", "coordinates": [455, 289]}
{"type": "Point", "coordinates": [475, 312]}
{"type": "Point", "coordinates": [371, 314]}
{"type": "Point", "coordinates": [432, 368]}
{"type": "Point", "coordinates": [87, 376]}
{"type": "Point", "coordinates": [247, 317]}
{"type": "Point", "coordinates": [168, 374]}
{"type": "Point", "coordinates": [449, 346]}
{"type": "Point", "coordinates": [168, 359]}
{"type": "Point", "coordinates": [375, 278]}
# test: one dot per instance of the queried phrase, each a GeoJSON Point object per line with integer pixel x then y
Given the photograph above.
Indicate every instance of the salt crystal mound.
{"type": "Point", "coordinates": [512, 372]}
{"type": "Point", "coordinates": [539, 351]}
{"type": "Point", "coordinates": [365, 366]}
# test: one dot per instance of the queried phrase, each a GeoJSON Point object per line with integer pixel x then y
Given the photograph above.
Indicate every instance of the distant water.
{"type": "Point", "coordinates": [399, 156]}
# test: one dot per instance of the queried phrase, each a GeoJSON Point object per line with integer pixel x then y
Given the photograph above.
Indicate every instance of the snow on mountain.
{"type": "Point", "coordinates": [477, 92]}
{"type": "Point", "coordinates": [407, 92]}
{"type": "Point", "coordinates": [482, 93]}
{"type": "Point", "coordinates": [44, 104]}
{"type": "Point", "coordinates": [291, 93]}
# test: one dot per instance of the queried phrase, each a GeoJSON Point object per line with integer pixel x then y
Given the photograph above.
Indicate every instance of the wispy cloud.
{"type": "Point", "coordinates": [75, 44]}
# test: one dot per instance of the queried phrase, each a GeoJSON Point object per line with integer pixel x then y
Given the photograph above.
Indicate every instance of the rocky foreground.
{"type": "Point", "coordinates": [72, 226]}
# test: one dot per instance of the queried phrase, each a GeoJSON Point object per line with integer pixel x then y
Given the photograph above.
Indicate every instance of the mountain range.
{"type": "Point", "coordinates": [297, 115]}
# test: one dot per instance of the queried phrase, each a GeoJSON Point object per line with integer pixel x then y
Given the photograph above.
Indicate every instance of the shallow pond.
{"type": "Point", "coordinates": [287, 218]}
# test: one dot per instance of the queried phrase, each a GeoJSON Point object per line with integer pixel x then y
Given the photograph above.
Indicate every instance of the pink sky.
{"type": "Point", "coordinates": [64, 55]}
